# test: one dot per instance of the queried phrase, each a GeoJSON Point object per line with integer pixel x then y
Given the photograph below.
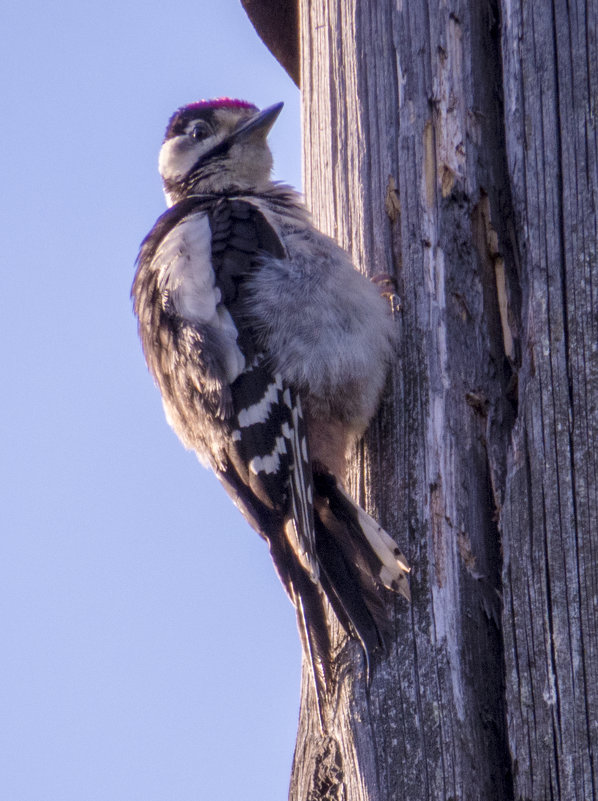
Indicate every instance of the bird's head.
{"type": "Point", "coordinates": [216, 146]}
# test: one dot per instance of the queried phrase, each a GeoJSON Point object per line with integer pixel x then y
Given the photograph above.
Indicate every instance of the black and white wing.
{"type": "Point", "coordinates": [226, 402]}
{"type": "Point", "coordinates": [219, 392]}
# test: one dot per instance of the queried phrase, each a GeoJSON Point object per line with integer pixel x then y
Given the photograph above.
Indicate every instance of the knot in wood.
{"type": "Point", "coordinates": [327, 780]}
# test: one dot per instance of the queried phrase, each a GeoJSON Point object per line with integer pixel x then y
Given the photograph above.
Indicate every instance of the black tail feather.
{"type": "Point", "coordinates": [347, 588]}
{"type": "Point", "coordinates": [315, 639]}
{"type": "Point", "coordinates": [353, 559]}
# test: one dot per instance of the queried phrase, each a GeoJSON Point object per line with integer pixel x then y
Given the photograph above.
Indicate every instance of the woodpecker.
{"type": "Point", "coordinates": [271, 353]}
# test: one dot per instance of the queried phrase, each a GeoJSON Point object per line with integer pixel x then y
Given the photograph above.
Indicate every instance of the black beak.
{"type": "Point", "coordinates": [259, 125]}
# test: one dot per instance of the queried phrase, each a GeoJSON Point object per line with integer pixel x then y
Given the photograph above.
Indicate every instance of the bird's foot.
{"type": "Point", "coordinates": [387, 286]}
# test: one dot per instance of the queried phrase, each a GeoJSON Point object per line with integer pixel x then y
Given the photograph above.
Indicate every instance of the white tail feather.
{"type": "Point", "coordinates": [393, 574]}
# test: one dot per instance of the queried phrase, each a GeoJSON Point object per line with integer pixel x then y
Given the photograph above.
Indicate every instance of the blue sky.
{"type": "Point", "coordinates": [148, 650]}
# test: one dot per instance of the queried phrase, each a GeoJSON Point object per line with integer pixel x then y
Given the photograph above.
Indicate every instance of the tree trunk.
{"type": "Point", "coordinates": [454, 147]}
{"type": "Point", "coordinates": [550, 515]}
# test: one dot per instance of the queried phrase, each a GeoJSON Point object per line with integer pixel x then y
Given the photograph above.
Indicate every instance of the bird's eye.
{"type": "Point", "coordinates": [199, 131]}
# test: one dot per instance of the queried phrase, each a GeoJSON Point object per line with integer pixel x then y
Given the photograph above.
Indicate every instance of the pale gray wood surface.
{"type": "Point", "coordinates": [549, 521]}
{"type": "Point", "coordinates": [405, 166]}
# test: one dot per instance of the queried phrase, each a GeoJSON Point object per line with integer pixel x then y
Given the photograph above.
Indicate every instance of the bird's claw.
{"type": "Point", "coordinates": [387, 287]}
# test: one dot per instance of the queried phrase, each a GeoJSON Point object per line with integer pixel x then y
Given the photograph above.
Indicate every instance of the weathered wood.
{"type": "Point", "coordinates": [405, 166]}
{"type": "Point", "coordinates": [550, 518]}
{"type": "Point", "coordinates": [454, 145]}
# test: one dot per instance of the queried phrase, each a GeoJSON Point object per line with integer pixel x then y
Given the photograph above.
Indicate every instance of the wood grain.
{"type": "Point", "coordinates": [396, 96]}
{"type": "Point", "coordinates": [453, 145]}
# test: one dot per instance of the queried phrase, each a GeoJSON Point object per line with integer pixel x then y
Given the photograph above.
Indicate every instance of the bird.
{"type": "Point", "coordinates": [271, 353]}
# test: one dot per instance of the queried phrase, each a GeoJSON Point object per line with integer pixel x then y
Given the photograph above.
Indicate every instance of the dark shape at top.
{"type": "Point", "coordinates": [277, 25]}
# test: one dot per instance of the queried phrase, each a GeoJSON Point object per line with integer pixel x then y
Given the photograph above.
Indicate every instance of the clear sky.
{"type": "Point", "coordinates": [148, 650]}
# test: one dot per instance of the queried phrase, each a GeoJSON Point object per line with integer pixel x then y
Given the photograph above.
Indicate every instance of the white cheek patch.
{"type": "Point", "coordinates": [177, 158]}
